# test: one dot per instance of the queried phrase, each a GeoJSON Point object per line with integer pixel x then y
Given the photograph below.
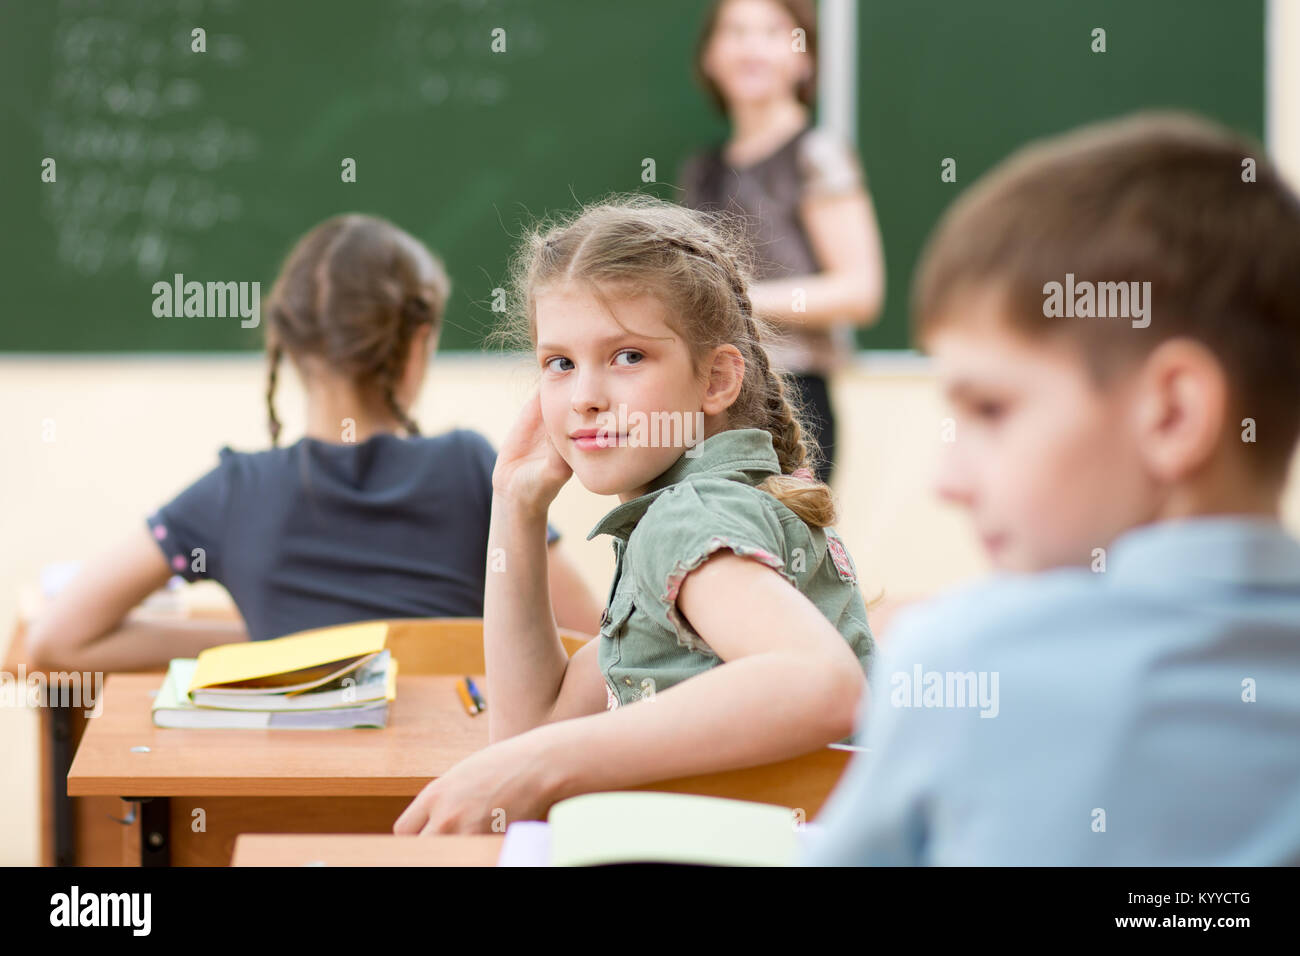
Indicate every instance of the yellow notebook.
{"type": "Point", "coordinates": [295, 660]}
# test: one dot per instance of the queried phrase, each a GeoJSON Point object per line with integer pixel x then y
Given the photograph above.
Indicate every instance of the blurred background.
{"type": "Point", "coordinates": [212, 165]}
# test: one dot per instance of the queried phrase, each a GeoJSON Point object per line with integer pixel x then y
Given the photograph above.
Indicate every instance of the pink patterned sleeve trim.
{"type": "Point", "coordinates": [686, 635]}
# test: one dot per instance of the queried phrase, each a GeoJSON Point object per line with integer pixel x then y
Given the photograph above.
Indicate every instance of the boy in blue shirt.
{"type": "Point", "coordinates": [1114, 316]}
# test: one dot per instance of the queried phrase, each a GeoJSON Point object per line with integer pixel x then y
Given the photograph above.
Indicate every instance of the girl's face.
{"type": "Point", "coordinates": [605, 388]}
{"type": "Point", "coordinates": [751, 55]}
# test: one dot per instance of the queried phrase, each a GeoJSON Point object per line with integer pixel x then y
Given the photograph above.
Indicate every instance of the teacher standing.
{"type": "Point", "coordinates": [800, 192]}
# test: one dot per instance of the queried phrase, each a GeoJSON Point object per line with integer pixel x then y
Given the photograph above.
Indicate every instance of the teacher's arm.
{"type": "Point", "coordinates": [842, 230]}
{"type": "Point", "coordinates": [839, 222]}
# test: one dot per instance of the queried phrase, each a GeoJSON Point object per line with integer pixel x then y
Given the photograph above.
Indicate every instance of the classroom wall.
{"type": "Point", "coordinates": [75, 493]}
{"type": "Point", "coordinates": [1283, 85]}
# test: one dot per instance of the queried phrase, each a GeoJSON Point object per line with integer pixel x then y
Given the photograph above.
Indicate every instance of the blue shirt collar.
{"type": "Point", "coordinates": [1244, 550]}
{"type": "Point", "coordinates": [739, 454]}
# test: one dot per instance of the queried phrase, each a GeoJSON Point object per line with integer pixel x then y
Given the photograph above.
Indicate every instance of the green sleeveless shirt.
{"type": "Point", "coordinates": [707, 500]}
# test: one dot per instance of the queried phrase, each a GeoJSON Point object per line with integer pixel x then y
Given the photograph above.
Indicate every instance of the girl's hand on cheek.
{"type": "Point", "coordinates": [529, 469]}
{"type": "Point", "coordinates": [482, 794]}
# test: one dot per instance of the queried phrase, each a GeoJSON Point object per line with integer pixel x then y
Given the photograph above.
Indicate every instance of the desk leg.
{"type": "Point", "coordinates": [65, 843]}
{"type": "Point", "coordinates": [155, 829]}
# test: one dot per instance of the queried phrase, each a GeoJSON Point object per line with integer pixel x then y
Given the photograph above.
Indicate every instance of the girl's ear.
{"type": "Point", "coordinates": [726, 375]}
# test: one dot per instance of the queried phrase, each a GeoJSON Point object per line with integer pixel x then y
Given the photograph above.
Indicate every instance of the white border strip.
{"type": "Point", "coordinates": [837, 73]}
{"type": "Point", "coordinates": [1282, 86]}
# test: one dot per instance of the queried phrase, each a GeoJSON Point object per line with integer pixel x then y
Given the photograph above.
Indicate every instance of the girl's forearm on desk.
{"type": "Point", "coordinates": [146, 645]}
{"type": "Point", "coordinates": [755, 710]}
{"type": "Point", "coordinates": [521, 645]}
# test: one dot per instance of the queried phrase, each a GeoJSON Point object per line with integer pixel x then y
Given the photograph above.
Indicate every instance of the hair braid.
{"type": "Point", "coordinates": [782, 420]}
{"type": "Point", "coordinates": [273, 423]}
{"type": "Point", "coordinates": [390, 399]}
{"type": "Point", "coordinates": [412, 311]}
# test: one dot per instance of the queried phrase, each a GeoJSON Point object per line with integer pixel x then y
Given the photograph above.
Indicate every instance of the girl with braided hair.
{"type": "Point", "coordinates": [735, 632]}
{"type": "Point", "coordinates": [361, 518]}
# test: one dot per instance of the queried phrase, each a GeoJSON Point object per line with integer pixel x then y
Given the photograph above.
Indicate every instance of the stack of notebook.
{"type": "Point", "coordinates": [328, 679]}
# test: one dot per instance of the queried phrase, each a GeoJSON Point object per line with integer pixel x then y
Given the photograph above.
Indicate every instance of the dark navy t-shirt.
{"type": "Point", "coordinates": [318, 534]}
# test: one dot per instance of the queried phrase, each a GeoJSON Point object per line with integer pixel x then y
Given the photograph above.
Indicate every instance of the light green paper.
{"type": "Point", "coordinates": [638, 826]}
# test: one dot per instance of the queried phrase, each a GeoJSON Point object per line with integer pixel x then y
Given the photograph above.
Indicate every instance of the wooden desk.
{"type": "Point", "coordinates": [78, 831]}
{"type": "Point", "coordinates": [199, 789]}
{"type": "Point", "coordinates": [73, 831]}
{"type": "Point", "coordinates": [262, 849]}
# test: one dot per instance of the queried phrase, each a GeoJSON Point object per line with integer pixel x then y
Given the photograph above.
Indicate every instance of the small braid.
{"type": "Point", "coordinates": [787, 432]}
{"type": "Point", "coordinates": [390, 398]}
{"type": "Point", "coordinates": [273, 423]}
{"type": "Point", "coordinates": [413, 311]}
{"type": "Point", "coordinates": [725, 264]}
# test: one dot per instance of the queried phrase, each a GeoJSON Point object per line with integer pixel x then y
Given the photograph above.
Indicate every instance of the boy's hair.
{"type": "Point", "coordinates": [352, 292]}
{"type": "Point", "coordinates": [802, 12]}
{"type": "Point", "coordinates": [1165, 198]}
{"type": "Point", "coordinates": [698, 266]}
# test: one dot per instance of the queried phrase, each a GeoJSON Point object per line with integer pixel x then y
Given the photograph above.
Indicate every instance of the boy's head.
{"type": "Point", "coordinates": [1115, 315]}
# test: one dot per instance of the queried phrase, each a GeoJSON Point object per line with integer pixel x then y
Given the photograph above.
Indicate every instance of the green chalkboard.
{"type": "Point", "coordinates": [972, 81]}
{"type": "Point", "coordinates": [210, 164]}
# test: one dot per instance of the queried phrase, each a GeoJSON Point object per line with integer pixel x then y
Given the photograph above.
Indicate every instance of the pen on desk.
{"type": "Point", "coordinates": [471, 708]}
{"type": "Point", "coordinates": [474, 692]}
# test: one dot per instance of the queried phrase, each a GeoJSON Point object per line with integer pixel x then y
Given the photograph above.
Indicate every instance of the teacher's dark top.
{"type": "Point", "coordinates": [767, 195]}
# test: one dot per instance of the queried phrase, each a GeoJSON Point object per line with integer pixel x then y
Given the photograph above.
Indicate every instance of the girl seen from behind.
{"type": "Point", "coordinates": [361, 518]}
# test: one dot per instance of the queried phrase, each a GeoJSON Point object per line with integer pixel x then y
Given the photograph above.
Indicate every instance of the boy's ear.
{"type": "Point", "coordinates": [1182, 403]}
{"type": "Point", "coordinates": [726, 375]}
